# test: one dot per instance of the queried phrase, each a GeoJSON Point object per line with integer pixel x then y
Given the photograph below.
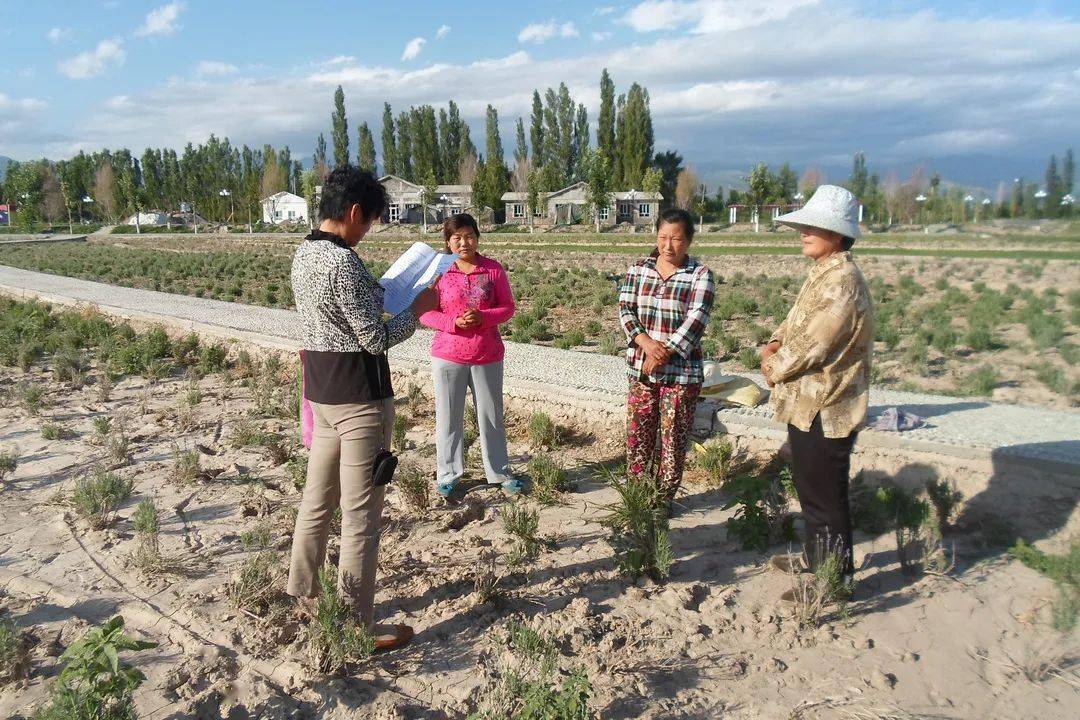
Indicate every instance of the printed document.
{"type": "Point", "coordinates": [415, 270]}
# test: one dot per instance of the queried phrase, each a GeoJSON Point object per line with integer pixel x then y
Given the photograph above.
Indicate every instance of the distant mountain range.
{"type": "Point", "coordinates": [971, 171]}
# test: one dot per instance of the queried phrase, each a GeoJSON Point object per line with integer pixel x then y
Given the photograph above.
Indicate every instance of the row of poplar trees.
{"type": "Point", "coordinates": [430, 147]}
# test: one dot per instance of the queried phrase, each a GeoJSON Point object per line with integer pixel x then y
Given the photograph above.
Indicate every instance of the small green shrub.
{"type": "Point", "coordinates": [278, 450]}
{"type": "Point", "coordinates": [95, 684]}
{"type": "Point", "coordinates": [185, 466]}
{"type": "Point", "coordinates": [548, 479]}
{"type": "Point", "coordinates": [54, 431]}
{"type": "Point", "coordinates": [749, 358]}
{"type": "Point", "coordinates": [1052, 377]}
{"type": "Point", "coordinates": [256, 587]}
{"type": "Point", "coordinates": [147, 554]}
{"type": "Point", "coordinates": [399, 440]}
{"type": "Point", "coordinates": [638, 526]}
{"type": "Point", "coordinates": [297, 467]}
{"type": "Point", "coordinates": [980, 381]}
{"type": "Point", "coordinates": [1064, 570]}
{"type": "Point", "coordinates": [593, 327]}
{"type": "Point", "coordinates": [335, 638]}
{"type": "Point", "coordinates": [245, 433]}
{"type": "Point", "coordinates": [826, 586]}
{"type": "Point", "coordinates": [980, 338]}
{"type": "Point", "coordinates": [14, 652]}
{"type": "Point", "coordinates": [257, 538]}
{"type": "Point", "coordinates": [98, 495]}
{"type": "Point", "coordinates": [543, 432]}
{"type": "Point", "coordinates": [718, 460]}
{"type": "Point", "coordinates": [414, 486]}
{"type": "Point", "coordinates": [9, 461]}
{"type": "Point", "coordinates": [32, 398]}
{"type": "Point", "coordinates": [761, 516]}
{"type": "Point", "coordinates": [945, 498]}
{"type": "Point", "coordinates": [522, 524]}
{"type": "Point", "coordinates": [212, 358]}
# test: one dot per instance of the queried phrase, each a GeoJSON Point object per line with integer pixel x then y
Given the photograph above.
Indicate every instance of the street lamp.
{"type": "Point", "coordinates": [83, 201]}
{"type": "Point", "coordinates": [799, 197]}
{"type": "Point", "coordinates": [921, 200]}
{"type": "Point", "coordinates": [225, 193]}
{"type": "Point", "coordinates": [969, 200]}
{"type": "Point", "coordinates": [443, 201]}
{"type": "Point", "coordinates": [1040, 196]}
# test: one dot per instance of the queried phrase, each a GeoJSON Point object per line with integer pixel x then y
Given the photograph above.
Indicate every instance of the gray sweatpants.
{"type": "Point", "coordinates": [486, 382]}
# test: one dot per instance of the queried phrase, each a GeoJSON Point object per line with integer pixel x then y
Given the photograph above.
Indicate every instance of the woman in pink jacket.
{"type": "Point", "coordinates": [467, 353]}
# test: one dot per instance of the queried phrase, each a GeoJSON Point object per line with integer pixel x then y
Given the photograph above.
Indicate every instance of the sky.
{"type": "Point", "coordinates": [732, 82]}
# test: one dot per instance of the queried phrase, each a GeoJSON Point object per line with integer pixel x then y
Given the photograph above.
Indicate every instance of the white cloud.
{"type": "Point", "coordinates": [605, 10]}
{"type": "Point", "coordinates": [709, 16]}
{"type": "Point", "coordinates": [807, 91]}
{"type": "Point", "coordinates": [16, 115]}
{"type": "Point", "coordinates": [542, 32]}
{"type": "Point", "coordinates": [214, 67]}
{"type": "Point", "coordinates": [162, 20]}
{"type": "Point", "coordinates": [108, 53]}
{"type": "Point", "coordinates": [412, 48]}
{"type": "Point", "coordinates": [58, 34]}
{"type": "Point", "coordinates": [601, 36]}
{"type": "Point", "coordinates": [442, 32]}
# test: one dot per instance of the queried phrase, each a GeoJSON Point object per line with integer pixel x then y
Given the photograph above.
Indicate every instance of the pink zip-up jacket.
{"type": "Point", "coordinates": [486, 289]}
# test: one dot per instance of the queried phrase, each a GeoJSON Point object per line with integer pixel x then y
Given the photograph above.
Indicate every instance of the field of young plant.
{"type": "Point", "coordinates": [1000, 328]}
{"type": "Point", "coordinates": [150, 485]}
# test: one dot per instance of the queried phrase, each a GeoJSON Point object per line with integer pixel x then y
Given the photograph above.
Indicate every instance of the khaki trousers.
{"type": "Point", "coordinates": [343, 448]}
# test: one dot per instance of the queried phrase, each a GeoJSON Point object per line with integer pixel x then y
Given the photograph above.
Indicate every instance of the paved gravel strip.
{"type": "Point", "coordinates": [953, 422]}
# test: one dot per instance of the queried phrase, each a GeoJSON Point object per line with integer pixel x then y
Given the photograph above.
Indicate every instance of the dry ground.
{"type": "Point", "coordinates": [712, 641]}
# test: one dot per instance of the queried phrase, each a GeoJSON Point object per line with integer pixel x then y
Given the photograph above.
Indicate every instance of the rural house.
{"type": "Point", "coordinates": [404, 201]}
{"type": "Point", "coordinates": [570, 205]}
{"type": "Point", "coordinates": [284, 207]}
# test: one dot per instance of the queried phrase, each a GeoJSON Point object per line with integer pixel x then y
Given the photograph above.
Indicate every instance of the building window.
{"type": "Point", "coordinates": [518, 210]}
{"type": "Point", "coordinates": [624, 209]}
{"type": "Point", "coordinates": [395, 212]}
{"type": "Point", "coordinates": [538, 212]}
{"type": "Point", "coordinates": [644, 210]}
{"type": "Point", "coordinates": [292, 214]}
{"type": "Point", "coordinates": [605, 213]}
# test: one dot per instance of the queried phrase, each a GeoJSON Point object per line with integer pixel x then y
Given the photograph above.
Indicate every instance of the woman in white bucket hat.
{"type": "Point", "coordinates": [818, 364]}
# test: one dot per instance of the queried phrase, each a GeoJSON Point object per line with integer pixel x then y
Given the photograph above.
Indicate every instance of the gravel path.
{"type": "Point", "coordinates": [960, 423]}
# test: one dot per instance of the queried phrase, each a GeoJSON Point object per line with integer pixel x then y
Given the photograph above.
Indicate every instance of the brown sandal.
{"type": "Point", "coordinates": [390, 637]}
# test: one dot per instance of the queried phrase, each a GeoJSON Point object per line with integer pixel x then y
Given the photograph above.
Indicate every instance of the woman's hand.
{"type": "Point", "coordinates": [651, 365]}
{"type": "Point", "coordinates": [655, 351]}
{"type": "Point", "coordinates": [426, 301]}
{"type": "Point", "coordinates": [767, 352]}
{"type": "Point", "coordinates": [470, 319]}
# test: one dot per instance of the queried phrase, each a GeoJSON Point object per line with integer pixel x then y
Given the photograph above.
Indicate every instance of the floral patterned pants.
{"type": "Point", "coordinates": [667, 411]}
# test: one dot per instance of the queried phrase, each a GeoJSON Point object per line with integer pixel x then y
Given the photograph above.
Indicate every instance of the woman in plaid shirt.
{"type": "Point", "coordinates": [664, 306]}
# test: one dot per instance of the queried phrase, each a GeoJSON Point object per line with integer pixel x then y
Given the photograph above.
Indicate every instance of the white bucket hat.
{"type": "Point", "coordinates": [831, 208]}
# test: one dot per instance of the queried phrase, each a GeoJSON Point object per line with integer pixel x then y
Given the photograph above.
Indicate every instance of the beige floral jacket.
{"type": "Point", "coordinates": [826, 342]}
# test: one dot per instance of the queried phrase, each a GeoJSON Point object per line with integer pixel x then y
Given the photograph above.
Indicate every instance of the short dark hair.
{"type": "Point", "coordinates": [458, 222]}
{"type": "Point", "coordinates": [677, 215]}
{"type": "Point", "coordinates": [348, 185]}
{"type": "Point", "coordinates": [846, 243]}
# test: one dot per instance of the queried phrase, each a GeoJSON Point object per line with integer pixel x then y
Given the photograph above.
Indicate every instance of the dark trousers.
{"type": "Point", "coordinates": [820, 468]}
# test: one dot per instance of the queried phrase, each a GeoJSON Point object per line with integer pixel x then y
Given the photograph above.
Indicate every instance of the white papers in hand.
{"type": "Point", "coordinates": [410, 274]}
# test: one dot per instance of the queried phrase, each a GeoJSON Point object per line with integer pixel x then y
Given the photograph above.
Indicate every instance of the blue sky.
{"type": "Point", "coordinates": [732, 81]}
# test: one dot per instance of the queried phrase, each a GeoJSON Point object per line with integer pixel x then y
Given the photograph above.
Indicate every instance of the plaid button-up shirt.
{"type": "Point", "coordinates": [673, 312]}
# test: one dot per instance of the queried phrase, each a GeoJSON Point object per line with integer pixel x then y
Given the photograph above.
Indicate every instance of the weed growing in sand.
{"type": "Point", "coordinates": [918, 535]}
{"type": "Point", "coordinates": [336, 640]}
{"type": "Point", "coordinates": [815, 592]}
{"type": "Point", "coordinates": [945, 498]}
{"type": "Point", "coordinates": [102, 425]}
{"type": "Point", "coordinates": [104, 387]}
{"type": "Point", "coordinates": [414, 486]}
{"type": "Point", "coordinates": [521, 524]}
{"type": "Point", "coordinates": [531, 686]}
{"type": "Point", "coordinates": [297, 467]}
{"type": "Point", "coordinates": [193, 394]}
{"type": "Point", "coordinates": [639, 528]}
{"type": "Point", "coordinates": [245, 433]}
{"type": "Point", "coordinates": [543, 432]}
{"type": "Point", "coordinates": [398, 439]}
{"type": "Point", "coordinates": [548, 479]}
{"type": "Point", "coordinates": [68, 366]}
{"type": "Point", "coordinates": [211, 359]}
{"type": "Point", "coordinates": [256, 587]}
{"type": "Point", "coordinates": [749, 358]}
{"type": "Point", "coordinates": [54, 431]}
{"type": "Point", "coordinates": [118, 444]}
{"type": "Point", "coordinates": [32, 398]}
{"type": "Point", "coordinates": [9, 461]}
{"type": "Point", "coordinates": [147, 554]}
{"type": "Point", "coordinates": [14, 652]}
{"type": "Point", "coordinates": [980, 381]}
{"type": "Point", "coordinates": [485, 579]}
{"type": "Point", "coordinates": [97, 496]}
{"type": "Point", "coordinates": [415, 400]}
{"type": "Point", "coordinates": [257, 538]}
{"type": "Point", "coordinates": [760, 502]}
{"type": "Point", "coordinates": [278, 450]}
{"type": "Point", "coordinates": [185, 466]}
{"type": "Point", "coordinates": [95, 684]}
{"type": "Point", "coordinates": [718, 460]}
{"type": "Point", "coordinates": [1064, 570]}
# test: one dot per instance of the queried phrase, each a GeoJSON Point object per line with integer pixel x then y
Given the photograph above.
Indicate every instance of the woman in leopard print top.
{"type": "Point", "coordinates": [347, 382]}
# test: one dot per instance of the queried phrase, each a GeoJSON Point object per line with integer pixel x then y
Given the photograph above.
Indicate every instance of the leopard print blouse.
{"type": "Point", "coordinates": [340, 302]}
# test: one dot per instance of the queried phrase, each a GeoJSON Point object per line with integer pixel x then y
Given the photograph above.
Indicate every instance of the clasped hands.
{"type": "Point", "coordinates": [469, 319]}
{"type": "Point", "coordinates": [656, 354]}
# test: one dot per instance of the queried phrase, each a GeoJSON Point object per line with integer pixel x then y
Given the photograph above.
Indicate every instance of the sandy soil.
{"type": "Point", "coordinates": [712, 641]}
